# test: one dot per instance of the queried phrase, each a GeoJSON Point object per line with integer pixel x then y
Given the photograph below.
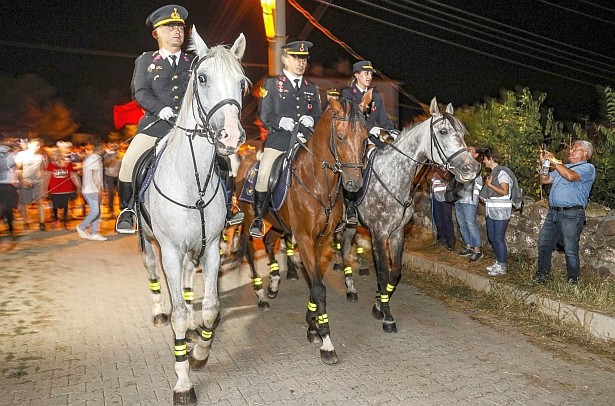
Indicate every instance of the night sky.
{"type": "Point", "coordinates": [92, 45]}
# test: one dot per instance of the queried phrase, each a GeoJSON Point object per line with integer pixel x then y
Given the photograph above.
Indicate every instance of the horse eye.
{"type": "Point", "coordinates": [443, 131]}
{"type": "Point", "coordinates": [202, 79]}
{"type": "Point", "coordinates": [243, 85]}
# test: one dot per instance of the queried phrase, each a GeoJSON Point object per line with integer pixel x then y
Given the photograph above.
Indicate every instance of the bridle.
{"type": "Point", "coordinates": [436, 144]}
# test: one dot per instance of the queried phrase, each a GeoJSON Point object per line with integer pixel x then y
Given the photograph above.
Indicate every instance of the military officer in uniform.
{"type": "Point", "coordinates": [288, 100]}
{"type": "Point", "coordinates": [159, 83]}
{"type": "Point", "coordinates": [376, 118]}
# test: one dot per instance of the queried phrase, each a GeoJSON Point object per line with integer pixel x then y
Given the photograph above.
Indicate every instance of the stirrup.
{"type": "Point", "coordinates": [235, 220]}
{"type": "Point", "coordinates": [261, 230]}
{"type": "Point", "coordinates": [131, 230]}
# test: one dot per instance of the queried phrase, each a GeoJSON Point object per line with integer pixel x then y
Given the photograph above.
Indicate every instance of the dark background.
{"type": "Point", "coordinates": [88, 48]}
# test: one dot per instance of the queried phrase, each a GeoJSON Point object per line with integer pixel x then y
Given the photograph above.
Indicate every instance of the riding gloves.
{"type": "Point", "coordinates": [287, 123]}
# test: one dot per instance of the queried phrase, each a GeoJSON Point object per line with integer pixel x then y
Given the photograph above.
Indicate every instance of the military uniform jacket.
{"type": "Point", "coordinates": [376, 114]}
{"type": "Point", "coordinates": [280, 99]}
{"type": "Point", "coordinates": [155, 86]}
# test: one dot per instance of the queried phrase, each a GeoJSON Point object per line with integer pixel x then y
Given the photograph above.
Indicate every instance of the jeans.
{"type": "Point", "coordinates": [496, 232]}
{"type": "Point", "coordinates": [565, 226]}
{"type": "Point", "coordinates": [93, 217]}
{"type": "Point", "coordinates": [466, 218]}
{"type": "Point", "coordinates": [111, 186]}
{"type": "Point", "coordinates": [443, 217]}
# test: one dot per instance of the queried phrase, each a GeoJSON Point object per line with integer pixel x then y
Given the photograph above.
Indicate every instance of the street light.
{"type": "Point", "coordinates": [274, 17]}
{"type": "Point", "coordinates": [268, 17]}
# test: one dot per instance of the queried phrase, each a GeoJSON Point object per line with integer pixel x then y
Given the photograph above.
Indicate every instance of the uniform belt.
{"type": "Point", "coordinates": [567, 208]}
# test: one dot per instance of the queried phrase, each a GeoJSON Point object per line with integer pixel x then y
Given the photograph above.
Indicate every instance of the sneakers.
{"type": "Point", "coordinates": [475, 256]}
{"type": "Point", "coordinates": [97, 237]}
{"type": "Point", "coordinates": [82, 233]}
{"type": "Point", "coordinates": [496, 269]}
{"type": "Point", "coordinates": [466, 252]}
{"type": "Point", "coordinates": [573, 281]}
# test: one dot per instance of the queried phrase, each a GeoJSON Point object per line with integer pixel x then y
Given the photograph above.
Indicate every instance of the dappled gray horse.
{"type": "Point", "coordinates": [186, 204]}
{"type": "Point", "coordinates": [387, 205]}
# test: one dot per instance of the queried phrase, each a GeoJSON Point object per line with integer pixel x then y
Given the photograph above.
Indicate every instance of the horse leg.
{"type": "Point", "coordinates": [172, 261]}
{"type": "Point", "coordinates": [384, 287]}
{"type": "Point", "coordinates": [291, 263]}
{"type": "Point", "coordinates": [199, 354]}
{"type": "Point", "coordinates": [396, 251]}
{"type": "Point", "coordinates": [316, 316]}
{"type": "Point", "coordinates": [150, 262]}
{"type": "Point", "coordinates": [351, 291]}
{"type": "Point", "coordinates": [363, 269]}
{"type": "Point", "coordinates": [338, 265]}
{"type": "Point", "coordinates": [274, 268]}
{"type": "Point", "coordinates": [188, 291]}
{"type": "Point", "coordinates": [379, 253]}
{"type": "Point", "coordinates": [257, 281]}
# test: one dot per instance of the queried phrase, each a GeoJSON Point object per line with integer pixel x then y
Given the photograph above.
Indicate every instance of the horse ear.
{"type": "Point", "coordinates": [197, 44]}
{"type": "Point", "coordinates": [449, 108]}
{"type": "Point", "coordinates": [433, 107]}
{"type": "Point", "coordinates": [335, 105]}
{"type": "Point", "coordinates": [366, 100]}
{"type": "Point", "coordinates": [239, 47]}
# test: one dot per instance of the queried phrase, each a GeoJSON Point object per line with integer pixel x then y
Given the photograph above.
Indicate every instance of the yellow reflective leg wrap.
{"type": "Point", "coordinates": [312, 307]}
{"type": "Point", "coordinates": [390, 288]}
{"type": "Point", "coordinates": [205, 333]}
{"type": "Point", "coordinates": [348, 270]}
{"type": "Point", "coordinates": [290, 246]}
{"type": "Point", "coordinates": [274, 266]}
{"type": "Point", "coordinates": [154, 286]}
{"type": "Point", "coordinates": [188, 295]}
{"type": "Point", "coordinates": [290, 252]}
{"type": "Point", "coordinates": [384, 298]}
{"type": "Point", "coordinates": [323, 318]}
{"type": "Point", "coordinates": [257, 283]}
{"type": "Point", "coordinates": [360, 250]}
{"type": "Point", "coordinates": [337, 246]}
{"type": "Point", "coordinates": [180, 350]}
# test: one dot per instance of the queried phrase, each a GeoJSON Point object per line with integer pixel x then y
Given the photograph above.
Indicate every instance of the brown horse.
{"type": "Point", "coordinates": [330, 159]}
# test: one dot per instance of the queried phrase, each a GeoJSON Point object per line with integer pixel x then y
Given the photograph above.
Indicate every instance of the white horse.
{"type": "Point", "coordinates": [185, 202]}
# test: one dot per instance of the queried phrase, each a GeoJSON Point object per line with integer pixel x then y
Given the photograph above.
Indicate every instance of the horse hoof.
{"type": "Point", "coordinates": [264, 306]}
{"type": "Point", "coordinates": [377, 313]}
{"type": "Point", "coordinates": [328, 357]}
{"type": "Point", "coordinates": [313, 337]}
{"type": "Point", "coordinates": [271, 294]}
{"type": "Point", "coordinates": [192, 335]}
{"type": "Point", "coordinates": [337, 267]}
{"type": "Point", "coordinates": [185, 398]}
{"type": "Point", "coordinates": [363, 271]}
{"type": "Point", "coordinates": [161, 320]}
{"type": "Point", "coordinates": [389, 327]}
{"type": "Point", "coordinates": [196, 364]}
{"type": "Point", "coordinates": [291, 275]}
{"type": "Point", "coordinates": [352, 297]}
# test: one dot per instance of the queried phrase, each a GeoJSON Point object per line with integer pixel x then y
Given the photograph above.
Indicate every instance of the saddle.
{"type": "Point", "coordinates": [278, 184]}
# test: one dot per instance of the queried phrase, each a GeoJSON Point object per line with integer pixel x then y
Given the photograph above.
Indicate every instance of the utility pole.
{"type": "Point", "coordinates": [274, 17]}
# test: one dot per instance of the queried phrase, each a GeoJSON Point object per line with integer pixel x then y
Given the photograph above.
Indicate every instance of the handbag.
{"type": "Point", "coordinates": [453, 191]}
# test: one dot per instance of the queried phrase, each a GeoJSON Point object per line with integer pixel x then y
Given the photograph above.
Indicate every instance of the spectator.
{"type": "Point", "coordinates": [111, 164]}
{"type": "Point", "coordinates": [92, 187]}
{"type": "Point", "coordinates": [465, 210]}
{"type": "Point", "coordinates": [31, 164]}
{"type": "Point", "coordinates": [8, 186]}
{"type": "Point", "coordinates": [571, 185]}
{"type": "Point", "coordinates": [442, 210]}
{"type": "Point", "coordinates": [496, 196]}
{"type": "Point", "coordinates": [61, 186]}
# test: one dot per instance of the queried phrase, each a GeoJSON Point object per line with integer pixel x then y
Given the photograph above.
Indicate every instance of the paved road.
{"type": "Point", "coordinates": [75, 330]}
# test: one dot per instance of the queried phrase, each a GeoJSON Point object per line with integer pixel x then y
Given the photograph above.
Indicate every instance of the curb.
{"type": "Point", "coordinates": [597, 324]}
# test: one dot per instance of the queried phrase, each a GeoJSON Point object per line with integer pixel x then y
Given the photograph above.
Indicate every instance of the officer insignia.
{"type": "Point", "coordinates": [151, 67]}
{"type": "Point", "coordinates": [302, 47]}
{"type": "Point", "coordinates": [263, 92]}
{"type": "Point", "coordinates": [175, 15]}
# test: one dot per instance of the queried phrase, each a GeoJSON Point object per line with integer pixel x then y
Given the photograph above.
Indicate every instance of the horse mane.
{"type": "Point", "coordinates": [355, 116]}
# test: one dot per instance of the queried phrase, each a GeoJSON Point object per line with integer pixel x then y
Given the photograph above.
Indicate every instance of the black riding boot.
{"type": "Point", "coordinates": [125, 220]}
{"type": "Point", "coordinates": [232, 219]}
{"type": "Point", "coordinates": [351, 208]}
{"type": "Point", "coordinates": [261, 204]}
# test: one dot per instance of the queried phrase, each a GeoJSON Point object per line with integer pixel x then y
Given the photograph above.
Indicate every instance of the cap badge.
{"type": "Point", "coordinates": [175, 15]}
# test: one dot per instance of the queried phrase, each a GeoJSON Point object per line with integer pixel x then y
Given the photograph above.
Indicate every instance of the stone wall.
{"type": "Point", "coordinates": [597, 240]}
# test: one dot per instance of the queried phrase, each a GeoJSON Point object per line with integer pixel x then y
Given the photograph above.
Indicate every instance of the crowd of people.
{"type": "Point", "coordinates": [570, 188]}
{"type": "Point", "coordinates": [56, 181]}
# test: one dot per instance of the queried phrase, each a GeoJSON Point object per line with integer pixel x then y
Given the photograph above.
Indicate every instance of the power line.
{"type": "Point", "coordinates": [597, 5]}
{"type": "Point", "coordinates": [576, 12]}
{"type": "Point", "coordinates": [482, 40]}
{"type": "Point", "coordinates": [455, 44]}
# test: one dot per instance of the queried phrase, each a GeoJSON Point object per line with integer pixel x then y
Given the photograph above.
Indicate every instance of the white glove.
{"type": "Point", "coordinates": [166, 113]}
{"type": "Point", "coordinates": [307, 121]}
{"type": "Point", "coordinates": [393, 134]}
{"type": "Point", "coordinates": [287, 123]}
{"type": "Point", "coordinates": [375, 131]}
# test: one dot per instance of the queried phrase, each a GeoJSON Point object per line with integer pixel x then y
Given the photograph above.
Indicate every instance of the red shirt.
{"type": "Point", "coordinates": [60, 181]}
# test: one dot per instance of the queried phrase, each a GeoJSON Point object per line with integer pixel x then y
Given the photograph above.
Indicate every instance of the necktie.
{"type": "Point", "coordinates": [296, 84]}
{"type": "Point", "coordinates": [173, 61]}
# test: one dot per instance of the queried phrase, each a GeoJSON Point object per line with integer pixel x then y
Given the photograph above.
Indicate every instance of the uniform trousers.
{"type": "Point", "coordinates": [139, 144]}
{"type": "Point", "coordinates": [264, 169]}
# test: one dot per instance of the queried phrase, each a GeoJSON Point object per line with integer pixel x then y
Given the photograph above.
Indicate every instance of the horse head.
{"type": "Point", "coordinates": [347, 139]}
{"type": "Point", "coordinates": [218, 84]}
{"type": "Point", "coordinates": [448, 147]}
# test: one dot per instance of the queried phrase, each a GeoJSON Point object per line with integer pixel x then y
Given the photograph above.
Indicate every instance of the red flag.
{"type": "Point", "coordinates": [129, 113]}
